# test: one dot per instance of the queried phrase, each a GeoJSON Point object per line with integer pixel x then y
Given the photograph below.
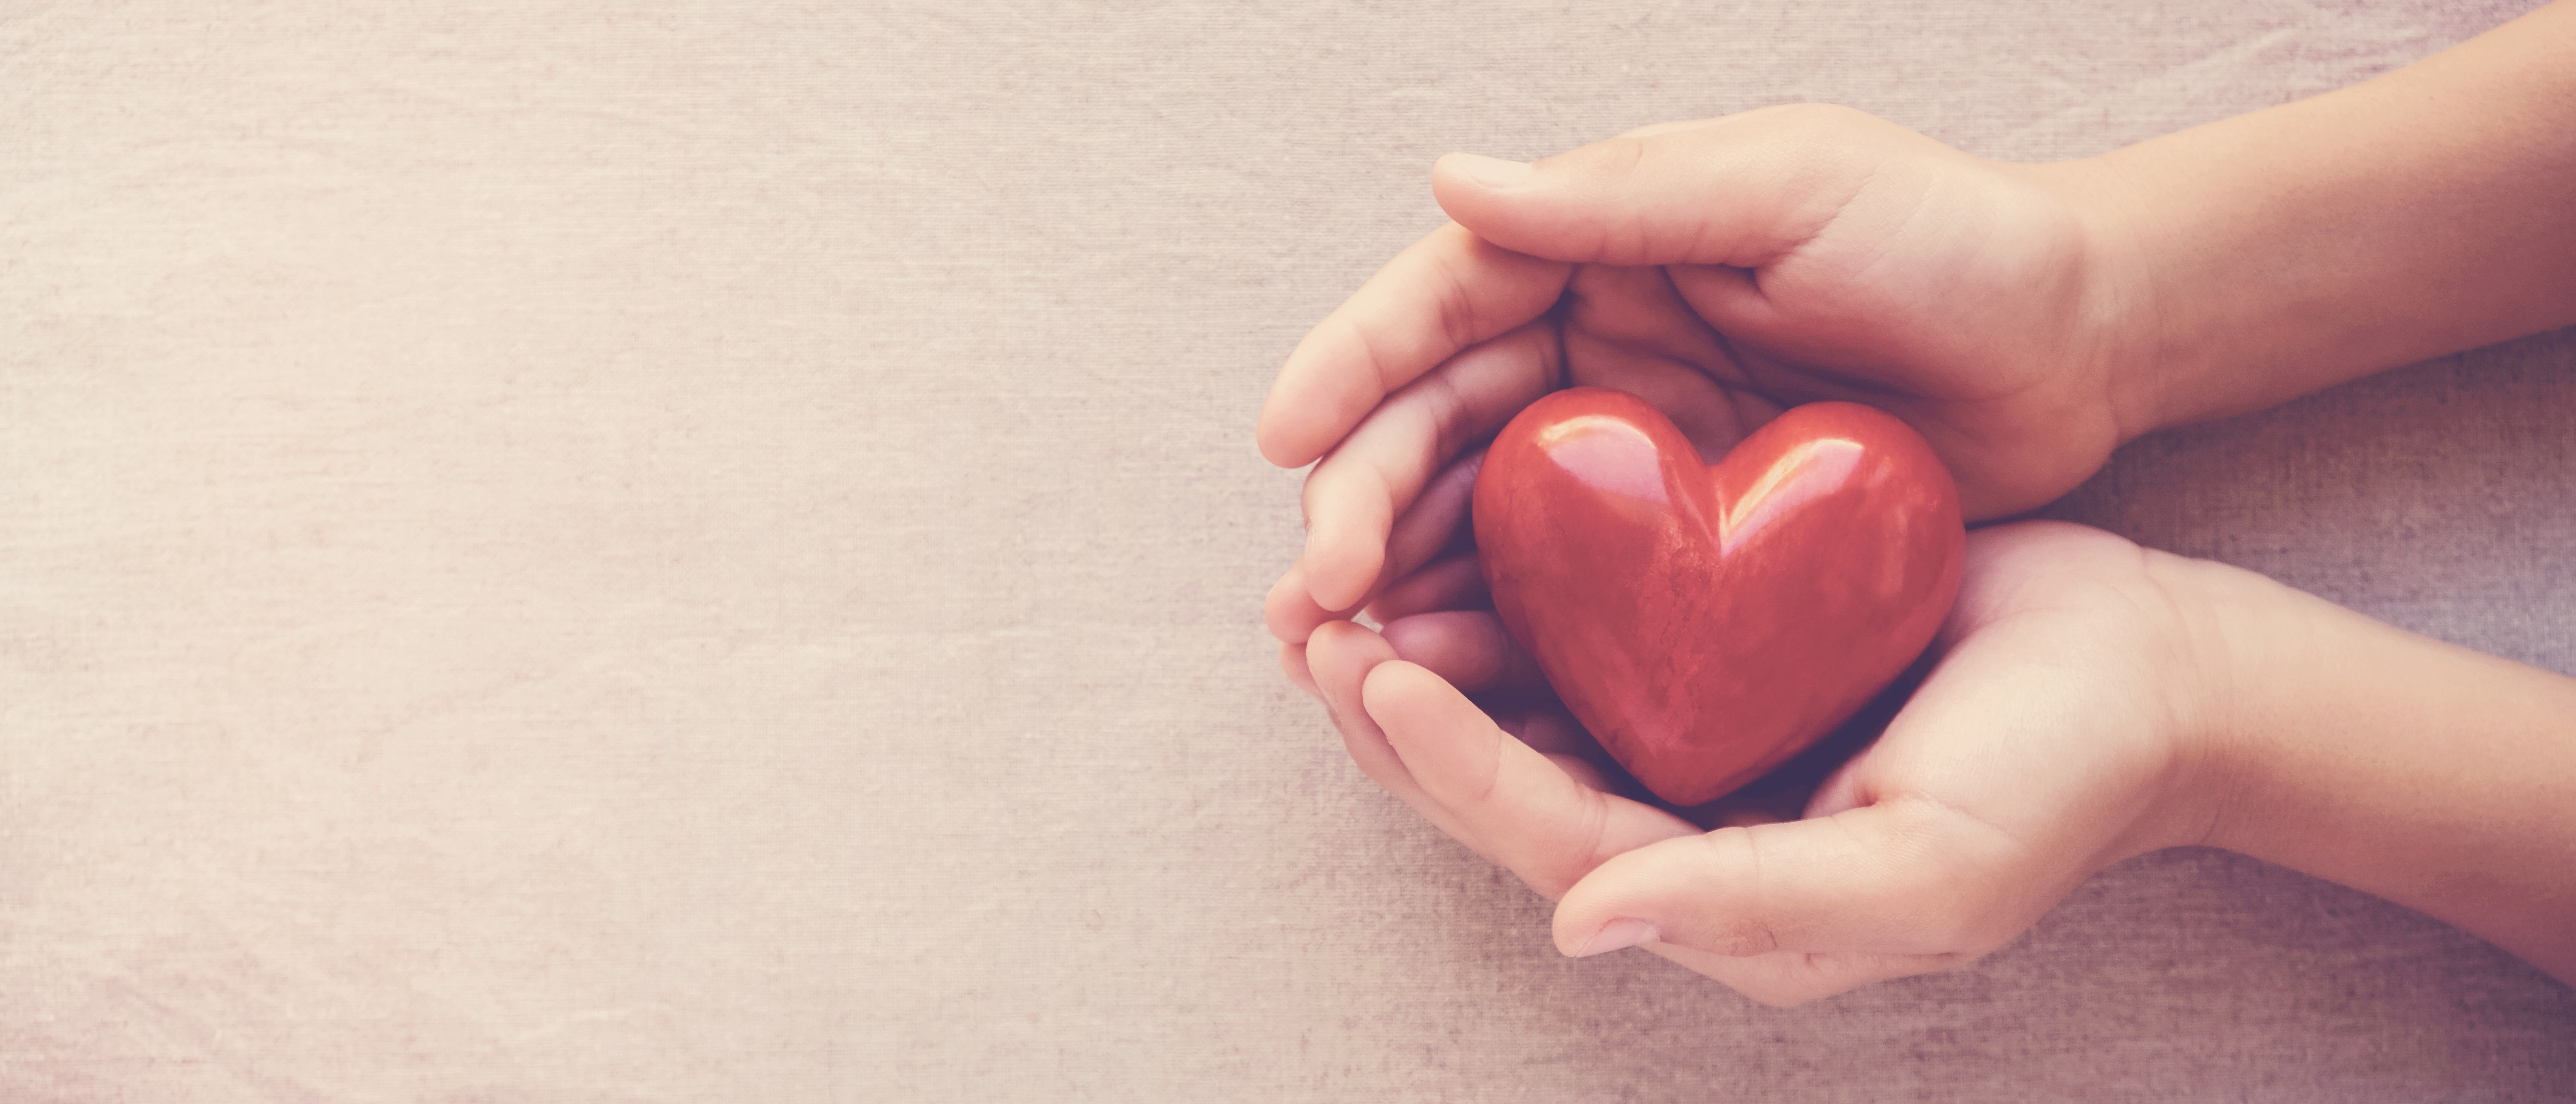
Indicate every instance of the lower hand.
{"type": "Point", "coordinates": [2053, 737]}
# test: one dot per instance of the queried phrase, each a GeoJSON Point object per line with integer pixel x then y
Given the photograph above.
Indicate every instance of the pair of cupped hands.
{"type": "Point", "coordinates": [1725, 271]}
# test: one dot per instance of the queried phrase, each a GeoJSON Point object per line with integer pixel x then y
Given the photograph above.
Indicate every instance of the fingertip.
{"type": "Point", "coordinates": [1267, 441]}
{"type": "Point", "coordinates": [1339, 571]}
{"type": "Point", "coordinates": [1317, 398]}
{"type": "Point", "coordinates": [1636, 885]}
{"type": "Point", "coordinates": [1289, 611]}
{"type": "Point", "coordinates": [1337, 634]}
{"type": "Point", "coordinates": [1406, 696]}
{"type": "Point", "coordinates": [1473, 190]}
{"type": "Point", "coordinates": [1276, 436]}
{"type": "Point", "coordinates": [1490, 173]}
{"type": "Point", "coordinates": [1292, 662]}
{"type": "Point", "coordinates": [1617, 935]}
{"type": "Point", "coordinates": [1394, 683]}
{"type": "Point", "coordinates": [1336, 645]}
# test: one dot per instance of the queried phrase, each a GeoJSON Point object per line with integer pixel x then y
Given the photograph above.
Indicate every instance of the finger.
{"type": "Point", "coordinates": [1455, 583]}
{"type": "Point", "coordinates": [1788, 979]}
{"type": "Point", "coordinates": [1339, 658]}
{"type": "Point", "coordinates": [1630, 329]}
{"type": "Point", "coordinates": [1290, 610]}
{"type": "Point", "coordinates": [1733, 303]}
{"type": "Point", "coordinates": [1840, 790]}
{"type": "Point", "coordinates": [1906, 878]}
{"type": "Point", "coordinates": [1375, 475]}
{"type": "Point", "coordinates": [1651, 129]}
{"type": "Point", "coordinates": [1553, 733]}
{"type": "Point", "coordinates": [1530, 815]}
{"type": "Point", "coordinates": [1466, 648]}
{"type": "Point", "coordinates": [1740, 191]}
{"type": "Point", "coordinates": [1637, 314]}
{"type": "Point", "coordinates": [1436, 520]}
{"type": "Point", "coordinates": [1445, 293]}
{"type": "Point", "coordinates": [1292, 662]}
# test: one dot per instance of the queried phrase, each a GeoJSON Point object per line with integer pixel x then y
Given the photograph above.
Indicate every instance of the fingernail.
{"type": "Point", "coordinates": [1493, 172]}
{"type": "Point", "coordinates": [1619, 935]}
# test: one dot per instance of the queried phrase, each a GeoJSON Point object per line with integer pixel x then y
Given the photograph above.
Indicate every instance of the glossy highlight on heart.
{"type": "Point", "coordinates": [1708, 621]}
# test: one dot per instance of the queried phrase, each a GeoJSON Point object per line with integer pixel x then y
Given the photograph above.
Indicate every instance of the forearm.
{"type": "Point", "coordinates": [2430, 210]}
{"type": "Point", "coordinates": [2405, 767]}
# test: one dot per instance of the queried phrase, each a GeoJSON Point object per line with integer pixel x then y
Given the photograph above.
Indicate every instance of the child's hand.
{"type": "Point", "coordinates": [2092, 701]}
{"type": "Point", "coordinates": [2052, 739]}
{"type": "Point", "coordinates": [1722, 270]}
{"type": "Point", "coordinates": [2025, 318]}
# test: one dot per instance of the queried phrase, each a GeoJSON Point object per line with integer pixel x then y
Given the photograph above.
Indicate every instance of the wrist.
{"type": "Point", "coordinates": [2136, 354]}
{"type": "Point", "coordinates": [2276, 253]}
{"type": "Point", "coordinates": [2401, 766]}
{"type": "Point", "coordinates": [2211, 320]}
{"type": "Point", "coordinates": [2216, 624]}
{"type": "Point", "coordinates": [2251, 666]}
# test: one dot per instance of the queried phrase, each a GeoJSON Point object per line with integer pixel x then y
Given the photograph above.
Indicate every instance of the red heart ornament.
{"type": "Point", "coordinates": [1707, 622]}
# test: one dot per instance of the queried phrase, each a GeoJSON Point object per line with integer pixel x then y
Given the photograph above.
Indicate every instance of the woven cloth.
{"type": "Point", "coordinates": [578, 551]}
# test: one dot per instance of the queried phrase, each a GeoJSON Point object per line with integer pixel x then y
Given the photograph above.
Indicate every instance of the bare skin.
{"type": "Point", "coordinates": [2092, 701]}
{"type": "Point", "coordinates": [2027, 319]}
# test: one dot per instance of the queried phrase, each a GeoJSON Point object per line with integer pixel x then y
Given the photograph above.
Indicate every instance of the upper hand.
{"type": "Point", "coordinates": [1723, 271]}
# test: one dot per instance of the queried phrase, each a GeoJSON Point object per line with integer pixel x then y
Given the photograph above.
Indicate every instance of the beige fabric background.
{"type": "Point", "coordinates": [583, 551]}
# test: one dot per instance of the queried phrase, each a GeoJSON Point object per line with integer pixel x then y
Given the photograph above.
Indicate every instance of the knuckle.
{"type": "Point", "coordinates": [1744, 938]}
{"type": "Point", "coordinates": [1733, 857]}
{"type": "Point", "coordinates": [1627, 155]}
{"type": "Point", "coordinates": [1955, 895]}
{"type": "Point", "coordinates": [1454, 308]}
{"type": "Point", "coordinates": [1590, 847]}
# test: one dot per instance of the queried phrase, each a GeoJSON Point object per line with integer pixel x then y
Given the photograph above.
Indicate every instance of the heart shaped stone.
{"type": "Point", "coordinates": [1707, 622]}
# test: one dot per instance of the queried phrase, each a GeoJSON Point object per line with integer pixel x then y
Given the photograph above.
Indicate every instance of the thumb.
{"type": "Point", "coordinates": [1741, 191]}
{"type": "Point", "coordinates": [1906, 880]}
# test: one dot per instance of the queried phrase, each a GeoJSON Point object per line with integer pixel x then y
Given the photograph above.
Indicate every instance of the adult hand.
{"type": "Point", "coordinates": [1723, 271]}
{"type": "Point", "coordinates": [2055, 735]}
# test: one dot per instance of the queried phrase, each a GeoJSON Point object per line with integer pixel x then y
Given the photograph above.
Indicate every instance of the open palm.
{"type": "Point", "coordinates": [2053, 737]}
